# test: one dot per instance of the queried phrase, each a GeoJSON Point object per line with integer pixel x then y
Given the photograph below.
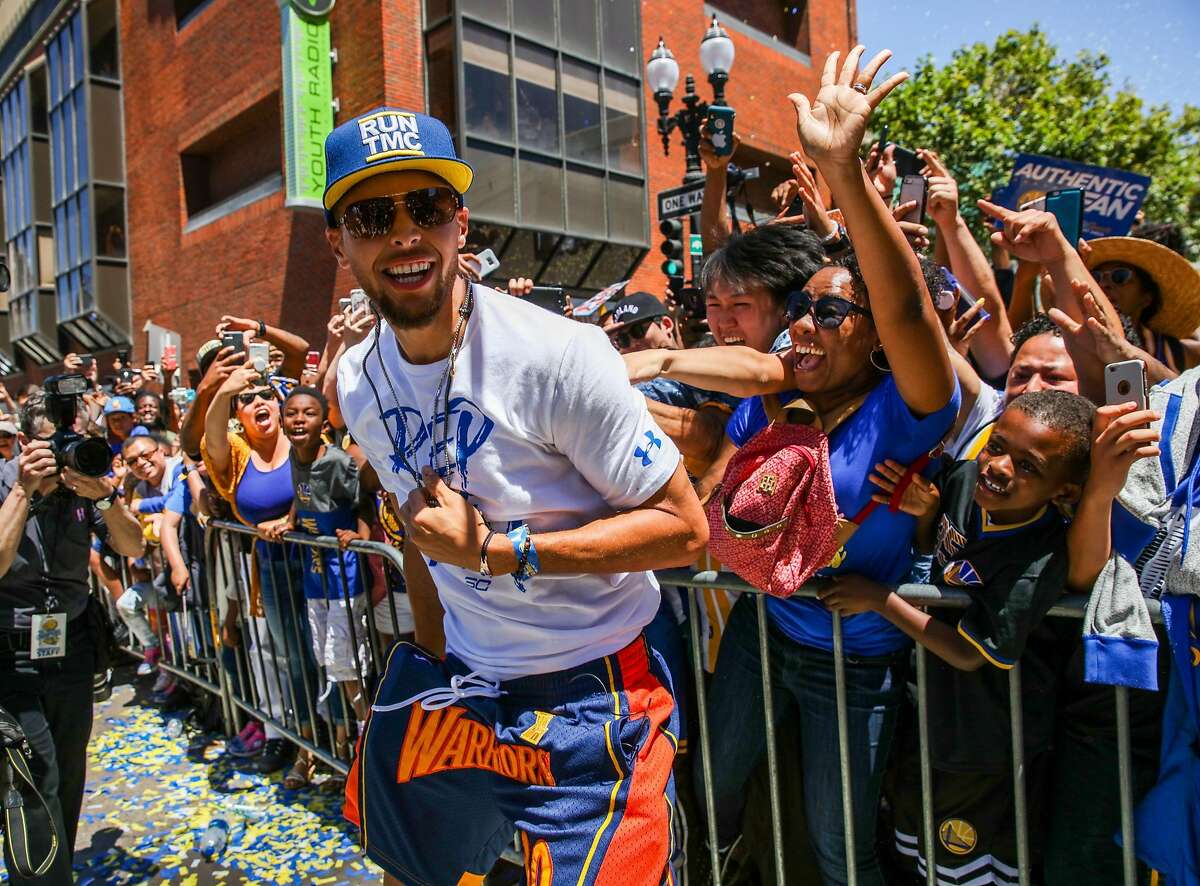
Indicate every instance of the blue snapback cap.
{"type": "Point", "coordinates": [119, 404]}
{"type": "Point", "coordinates": [389, 140]}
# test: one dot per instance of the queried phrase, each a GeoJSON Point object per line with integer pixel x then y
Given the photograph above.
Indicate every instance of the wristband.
{"type": "Point", "coordinates": [484, 569]}
{"type": "Point", "coordinates": [527, 559]}
{"type": "Point", "coordinates": [262, 331]}
{"type": "Point", "coordinates": [832, 236]}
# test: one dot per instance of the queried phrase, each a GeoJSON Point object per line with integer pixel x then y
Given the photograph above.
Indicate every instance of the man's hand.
{"type": "Point", "coordinates": [359, 324]}
{"type": "Point", "coordinates": [468, 266]}
{"type": "Point", "coordinates": [1097, 334]}
{"type": "Point", "coordinates": [236, 324]}
{"type": "Point", "coordinates": [832, 128]}
{"type": "Point", "coordinates": [1030, 235]}
{"type": "Point", "coordinates": [94, 488]}
{"type": "Point", "coordinates": [920, 497]}
{"type": "Point", "coordinates": [519, 286]}
{"type": "Point", "coordinates": [222, 366]}
{"type": "Point", "coordinates": [72, 363]}
{"type": "Point", "coordinates": [336, 328]}
{"type": "Point", "coordinates": [451, 531]}
{"type": "Point", "coordinates": [180, 579]}
{"type": "Point", "coordinates": [36, 467]}
{"type": "Point", "coordinates": [881, 167]}
{"type": "Point", "coordinates": [345, 536]}
{"type": "Point", "coordinates": [714, 162]}
{"type": "Point", "coordinates": [852, 594]}
{"type": "Point", "coordinates": [1122, 436]}
{"type": "Point", "coordinates": [150, 375]}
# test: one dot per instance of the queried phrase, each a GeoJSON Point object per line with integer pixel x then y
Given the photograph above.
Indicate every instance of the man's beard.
{"type": "Point", "coordinates": [415, 312]}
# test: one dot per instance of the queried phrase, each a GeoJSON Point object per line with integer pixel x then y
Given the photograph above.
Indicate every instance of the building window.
{"type": "Point", "coordinates": [16, 151]}
{"type": "Point", "coordinates": [187, 10]}
{"type": "Point", "coordinates": [785, 22]}
{"type": "Point", "coordinates": [233, 165]}
{"type": "Point", "coordinates": [547, 95]}
{"type": "Point", "coordinates": [103, 59]}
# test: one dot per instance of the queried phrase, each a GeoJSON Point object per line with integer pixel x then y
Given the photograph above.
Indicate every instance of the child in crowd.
{"type": "Point", "coordinates": [325, 479]}
{"type": "Point", "coordinates": [996, 529]}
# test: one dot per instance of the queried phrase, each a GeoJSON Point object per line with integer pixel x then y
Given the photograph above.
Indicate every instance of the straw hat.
{"type": "Point", "coordinates": [1177, 280]}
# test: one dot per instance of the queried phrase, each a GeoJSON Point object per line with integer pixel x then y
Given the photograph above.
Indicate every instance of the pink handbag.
{"type": "Point", "coordinates": [773, 520]}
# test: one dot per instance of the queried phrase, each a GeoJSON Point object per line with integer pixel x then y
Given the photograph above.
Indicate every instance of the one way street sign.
{"type": "Point", "coordinates": [678, 202]}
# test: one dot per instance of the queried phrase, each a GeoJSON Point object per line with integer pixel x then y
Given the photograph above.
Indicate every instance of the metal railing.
{"type": "Point", "coordinates": [292, 706]}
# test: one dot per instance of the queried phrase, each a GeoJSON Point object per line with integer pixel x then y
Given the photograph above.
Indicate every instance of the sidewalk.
{"type": "Point", "coordinates": [147, 803]}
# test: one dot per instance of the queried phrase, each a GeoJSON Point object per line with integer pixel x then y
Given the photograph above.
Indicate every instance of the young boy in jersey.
{"type": "Point", "coordinates": [996, 530]}
{"type": "Point", "coordinates": [325, 480]}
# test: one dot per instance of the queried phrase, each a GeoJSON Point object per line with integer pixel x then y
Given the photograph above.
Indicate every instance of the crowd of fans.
{"type": "Point", "coordinates": [962, 392]}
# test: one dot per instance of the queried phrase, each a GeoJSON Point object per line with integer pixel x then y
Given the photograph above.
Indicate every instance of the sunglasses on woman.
{"type": "Point", "coordinates": [1118, 276]}
{"type": "Point", "coordinates": [627, 335]}
{"type": "Point", "coordinates": [374, 216]}
{"type": "Point", "coordinates": [247, 397]}
{"type": "Point", "coordinates": [828, 311]}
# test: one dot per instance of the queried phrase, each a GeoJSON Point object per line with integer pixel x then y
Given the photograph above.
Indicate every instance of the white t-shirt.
{"type": "Point", "coordinates": [985, 410]}
{"type": "Point", "coordinates": [547, 431]}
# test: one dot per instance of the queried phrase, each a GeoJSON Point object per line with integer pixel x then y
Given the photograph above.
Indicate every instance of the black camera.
{"type": "Point", "coordinates": [89, 456]}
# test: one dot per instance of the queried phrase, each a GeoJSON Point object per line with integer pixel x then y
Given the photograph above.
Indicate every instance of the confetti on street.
{"type": "Point", "coordinates": [147, 804]}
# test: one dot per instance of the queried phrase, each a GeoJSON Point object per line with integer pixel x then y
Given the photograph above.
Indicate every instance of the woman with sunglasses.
{"type": "Point", "coordinates": [251, 469]}
{"type": "Point", "coordinates": [869, 358]}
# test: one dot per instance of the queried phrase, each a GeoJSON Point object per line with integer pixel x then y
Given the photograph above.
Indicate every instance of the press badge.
{"type": "Point", "coordinates": [49, 636]}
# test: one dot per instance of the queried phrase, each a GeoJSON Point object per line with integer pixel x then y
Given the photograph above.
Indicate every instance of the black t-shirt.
{"type": "Point", "coordinates": [51, 558]}
{"type": "Point", "coordinates": [1013, 573]}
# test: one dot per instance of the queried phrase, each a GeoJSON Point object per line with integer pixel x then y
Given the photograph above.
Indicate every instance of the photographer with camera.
{"type": "Point", "coordinates": [54, 497]}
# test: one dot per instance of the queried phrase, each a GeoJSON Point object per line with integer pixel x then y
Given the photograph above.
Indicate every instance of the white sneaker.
{"type": "Point", "coordinates": [145, 669]}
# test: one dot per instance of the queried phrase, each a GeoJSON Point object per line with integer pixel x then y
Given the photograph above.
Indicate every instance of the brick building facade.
{"type": "Point", "coordinates": [546, 97]}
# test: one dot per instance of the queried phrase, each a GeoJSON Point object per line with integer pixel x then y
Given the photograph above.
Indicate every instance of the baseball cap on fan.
{"type": "Point", "coordinates": [634, 307]}
{"type": "Point", "coordinates": [389, 140]}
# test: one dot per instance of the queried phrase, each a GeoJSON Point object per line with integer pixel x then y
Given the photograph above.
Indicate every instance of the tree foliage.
{"type": "Point", "coordinates": [1018, 95]}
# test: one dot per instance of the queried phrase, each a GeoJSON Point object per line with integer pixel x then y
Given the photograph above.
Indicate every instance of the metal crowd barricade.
{"type": "Point", "coordinates": [259, 680]}
{"type": "Point", "coordinates": [920, 595]}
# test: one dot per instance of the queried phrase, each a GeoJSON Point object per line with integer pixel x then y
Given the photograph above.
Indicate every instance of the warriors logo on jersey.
{"type": "Point", "coordinates": [962, 574]}
{"type": "Point", "coordinates": [949, 541]}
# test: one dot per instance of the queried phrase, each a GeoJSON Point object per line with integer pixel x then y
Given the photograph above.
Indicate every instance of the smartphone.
{"type": "Point", "coordinates": [552, 298]}
{"type": "Point", "coordinates": [907, 162]}
{"type": "Point", "coordinates": [1067, 206]}
{"type": "Point", "coordinates": [720, 129]}
{"type": "Point", "coordinates": [258, 355]}
{"type": "Point", "coordinates": [343, 304]}
{"type": "Point", "coordinates": [883, 137]}
{"type": "Point", "coordinates": [913, 187]}
{"type": "Point", "coordinates": [123, 357]}
{"type": "Point", "coordinates": [487, 262]}
{"type": "Point", "coordinates": [182, 396]}
{"type": "Point", "coordinates": [312, 360]}
{"type": "Point", "coordinates": [125, 376]}
{"type": "Point", "coordinates": [86, 362]}
{"type": "Point", "coordinates": [358, 298]}
{"type": "Point", "coordinates": [1125, 382]}
{"type": "Point", "coordinates": [691, 301]}
{"type": "Point", "coordinates": [234, 340]}
{"type": "Point", "coordinates": [169, 358]}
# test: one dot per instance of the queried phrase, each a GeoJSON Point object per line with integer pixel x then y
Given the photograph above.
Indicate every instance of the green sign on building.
{"type": "Point", "coordinates": [307, 103]}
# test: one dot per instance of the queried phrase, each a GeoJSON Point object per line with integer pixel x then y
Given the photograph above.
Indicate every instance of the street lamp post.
{"type": "Point", "coordinates": [662, 76]}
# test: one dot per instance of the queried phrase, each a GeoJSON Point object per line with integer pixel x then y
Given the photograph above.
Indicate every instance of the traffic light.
{"type": "Point", "coordinates": [672, 246]}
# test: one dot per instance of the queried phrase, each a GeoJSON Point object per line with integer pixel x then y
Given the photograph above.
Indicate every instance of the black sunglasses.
{"type": "Point", "coordinates": [829, 311]}
{"type": "Point", "coordinates": [627, 335]}
{"type": "Point", "coordinates": [1118, 276]}
{"type": "Point", "coordinates": [247, 397]}
{"type": "Point", "coordinates": [374, 216]}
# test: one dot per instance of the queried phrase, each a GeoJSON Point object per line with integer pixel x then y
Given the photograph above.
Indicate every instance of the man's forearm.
{"type": "Point", "coordinates": [13, 514]}
{"type": "Point", "coordinates": [124, 531]}
{"type": "Point", "coordinates": [669, 530]}
{"type": "Point", "coordinates": [169, 536]}
{"type": "Point", "coordinates": [715, 226]}
{"type": "Point", "coordinates": [294, 348]}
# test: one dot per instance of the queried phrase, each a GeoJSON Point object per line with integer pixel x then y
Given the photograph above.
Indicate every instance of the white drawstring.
{"type": "Point", "coordinates": [471, 686]}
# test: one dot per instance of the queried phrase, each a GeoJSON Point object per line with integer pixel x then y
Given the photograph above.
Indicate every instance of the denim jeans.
{"type": "Point", "coordinates": [281, 583]}
{"type": "Point", "coordinates": [804, 677]}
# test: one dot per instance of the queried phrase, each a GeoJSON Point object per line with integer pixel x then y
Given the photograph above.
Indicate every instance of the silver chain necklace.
{"type": "Point", "coordinates": [443, 460]}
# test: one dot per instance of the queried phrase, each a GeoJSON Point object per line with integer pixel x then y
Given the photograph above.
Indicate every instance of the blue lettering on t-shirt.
{"type": "Point", "coordinates": [468, 429]}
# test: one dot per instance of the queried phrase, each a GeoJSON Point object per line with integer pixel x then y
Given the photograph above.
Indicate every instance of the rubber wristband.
{"type": "Point", "coordinates": [262, 330]}
{"type": "Point", "coordinates": [484, 569]}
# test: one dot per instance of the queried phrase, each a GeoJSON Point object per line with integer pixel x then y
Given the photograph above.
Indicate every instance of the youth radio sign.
{"type": "Point", "coordinates": [1111, 197]}
{"type": "Point", "coordinates": [307, 101]}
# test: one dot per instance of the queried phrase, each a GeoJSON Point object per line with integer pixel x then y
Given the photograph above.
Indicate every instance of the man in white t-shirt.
{"type": "Point", "coordinates": [539, 491]}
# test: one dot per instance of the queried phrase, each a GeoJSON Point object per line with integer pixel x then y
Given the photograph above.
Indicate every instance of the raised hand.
{"type": "Point", "coordinates": [920, 498]}
{"type": "Point", "coordinates": [942, 199]}
{"type": "Point", "coordinates": [1030, 234]}
{"type": "Point", "coordinates": [831, 129]}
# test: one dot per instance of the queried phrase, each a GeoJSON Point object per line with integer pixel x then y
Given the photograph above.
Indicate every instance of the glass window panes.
{"type": "Point", "coordinates": [624, 124]}
{"type": "Point", "coordinates": [491, 194]}
{"type": "Point", "coordinates": [527, 252]}
{"type": "Point", "coordinates": [626, 209]}
{"type": "Point", "coordinates": [585, 201]}
{"type": "Point", "coordinates": [534, 18]}
{"type": "Point", "coordinates": [110, 222]}
{"type": "Point", "coordinates": [581, 112]}
{"type": "Point", "coordinates": [579, 27]}
{"type": "Point", "coordinates": [537, 99]}
{"type": "Point", "coordinates": [619, 25]}
{"type": "Point", "coordinates": [612, 266]}
{"type": "Point", "coordinates": [541, 192]}
{"type": "Point", "coordinates": [492, 11]}
{"type": "Point", "coordinates": [440, 71]}
{"type": "Point", "coordinates": [571, 260]}
{"type": "Point", "coordinates": [487, 87]}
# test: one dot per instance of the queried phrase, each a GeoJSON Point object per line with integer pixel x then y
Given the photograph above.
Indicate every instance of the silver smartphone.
{"type": "Point", "coordinates": [1125, 382]}
{"type": "Point", "coordinates": [913, 187]}
{"type": "Point", "coordinates": [487, 262]}
{"type": "Point", "coordinates": [343, 304]}
{"type": "Point", "coordinates": [358, 298]}
{"type": "Point", "coordinates": [258, 355]}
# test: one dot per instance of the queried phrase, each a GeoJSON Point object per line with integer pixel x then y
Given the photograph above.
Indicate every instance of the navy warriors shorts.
{"type": "Point", "coordinates": [576, 762]}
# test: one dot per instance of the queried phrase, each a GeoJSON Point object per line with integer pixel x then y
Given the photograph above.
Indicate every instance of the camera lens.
{"type": "Point", "coordinates": [1124, 387]}
{"type": "Point", "coordinates": [89, 456]}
